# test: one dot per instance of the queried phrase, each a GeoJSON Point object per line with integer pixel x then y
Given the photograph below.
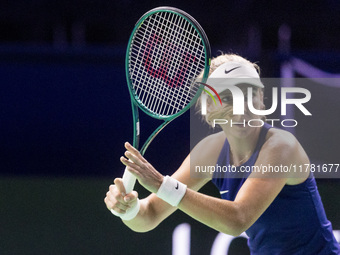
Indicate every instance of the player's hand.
{"type": "Point", "coordinates": [146, 174]}
{"type": "Point", "coordinates": [117, 199]}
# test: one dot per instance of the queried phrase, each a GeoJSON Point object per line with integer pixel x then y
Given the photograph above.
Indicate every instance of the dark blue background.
{"type": "Point", "coordinates": [64, 103]}
{"type": "Point", "coordinates": [68, 113]}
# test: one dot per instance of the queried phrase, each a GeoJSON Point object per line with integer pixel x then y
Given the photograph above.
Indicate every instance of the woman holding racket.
{"type": "Point", "coordinates": [286, 206]}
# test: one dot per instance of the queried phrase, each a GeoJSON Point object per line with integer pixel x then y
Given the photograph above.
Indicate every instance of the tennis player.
{"type": "Point", "coordinates": [281, 213]}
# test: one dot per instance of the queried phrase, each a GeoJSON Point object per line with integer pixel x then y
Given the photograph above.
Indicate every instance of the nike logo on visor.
{"type": "Point", "coordinates": [232, 69]}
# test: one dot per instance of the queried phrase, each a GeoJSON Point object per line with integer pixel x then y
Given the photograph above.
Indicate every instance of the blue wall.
{"type": "Point", "coordinates": [69, 113]}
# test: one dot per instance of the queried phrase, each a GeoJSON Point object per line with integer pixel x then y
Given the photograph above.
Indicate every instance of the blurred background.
{"type": "Point", "coordinates": [65, 113]}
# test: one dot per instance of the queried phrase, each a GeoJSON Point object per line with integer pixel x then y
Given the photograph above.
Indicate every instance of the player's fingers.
{"type": "Point", "coordinates": [115, 201]}
{"type": "Point", "coordinates": [115, 196]}
{"type": "Point", "coordinates": [126, 162]}
{"type": "Point", "coordinates": [120, 186]}
{"type": "Point", "coordinates": [131, 166]}
{"type": "Point", "coordinates": [114, 204]}
{"type": "Point", "coordinates": [130, 198]}
{"type": "Point", "coordinates": [134, 151]}
{"type": "Point", "coordinates": [121, 207]}
{"type": "Point", "coordinates": [108, 203]}
{"type": "Point", "coordinates": [133, 158]}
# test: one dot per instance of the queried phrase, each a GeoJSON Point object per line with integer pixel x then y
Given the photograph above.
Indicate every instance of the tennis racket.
{"type": "Point", "coordinates": [167, 50]}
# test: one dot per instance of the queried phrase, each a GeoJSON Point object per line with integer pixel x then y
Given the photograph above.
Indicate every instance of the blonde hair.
{"type": "Point", "coordinates": [223, 58]}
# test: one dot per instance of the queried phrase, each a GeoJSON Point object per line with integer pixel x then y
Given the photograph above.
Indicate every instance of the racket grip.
{"type": "Point", "coordinates": [129, 181]}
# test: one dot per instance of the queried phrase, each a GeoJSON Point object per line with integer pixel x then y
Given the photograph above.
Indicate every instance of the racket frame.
{"type": "Point", "coordinates": [135, 101]}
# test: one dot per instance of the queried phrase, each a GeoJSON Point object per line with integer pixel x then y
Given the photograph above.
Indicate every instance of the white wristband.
{"type": "Point", "coordinates": [171, 191]}
{"type": "Point", "coordinates": [130, 213]}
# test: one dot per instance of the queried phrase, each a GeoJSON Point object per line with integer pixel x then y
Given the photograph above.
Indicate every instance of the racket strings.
{"type": "Point", "coordinates": [167, 54]}
{"type": "Point", "coordinates": [177, 66]}
{"type": "Point", "coordinates": [159, 93]}
{"type": "Point", "coordinates": [178, 97]}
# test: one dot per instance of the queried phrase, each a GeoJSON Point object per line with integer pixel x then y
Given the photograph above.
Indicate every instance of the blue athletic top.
{"type": "Point", "coordinates": [294, 224]}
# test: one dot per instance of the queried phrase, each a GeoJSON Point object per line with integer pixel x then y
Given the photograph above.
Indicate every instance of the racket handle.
{"type": "Point", "coordinates": [129, 181]}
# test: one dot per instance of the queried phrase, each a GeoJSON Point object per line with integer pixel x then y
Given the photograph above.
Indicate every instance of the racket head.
{"type": "Point", "coordinates": [167, 51]}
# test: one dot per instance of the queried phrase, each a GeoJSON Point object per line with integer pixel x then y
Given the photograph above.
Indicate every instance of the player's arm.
{"type": "Point", "coordinates": [154, 210]}
{"type": "Point", "coordinates": [254, 197]}
{"type": "Point", "coordinates": [234, 217]}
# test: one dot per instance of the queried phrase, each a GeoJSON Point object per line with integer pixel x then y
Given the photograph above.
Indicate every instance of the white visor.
{"type": "Point", "coordinates": [233, 73]}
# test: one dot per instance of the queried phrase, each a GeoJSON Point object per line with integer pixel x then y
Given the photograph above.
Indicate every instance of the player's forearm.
{"type": "Point", "coordinates": [221, 215]}
{"type": "Point", "coordinates": [152, 212]}
{"type": "Point", "coordinates": [143, 222]}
